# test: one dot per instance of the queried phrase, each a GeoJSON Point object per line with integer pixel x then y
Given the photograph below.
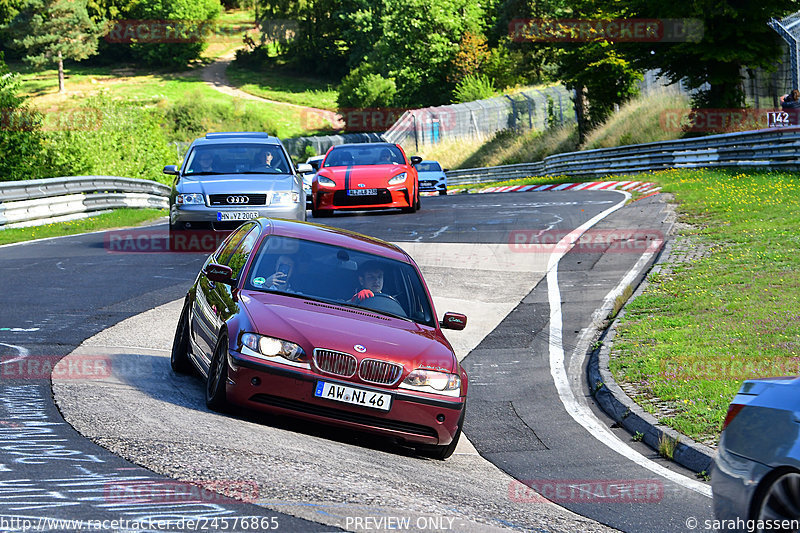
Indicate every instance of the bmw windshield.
{"type": "Point", "coordinates": [341, 276]}
{"type": "Point", "coordinates": [236, 159]}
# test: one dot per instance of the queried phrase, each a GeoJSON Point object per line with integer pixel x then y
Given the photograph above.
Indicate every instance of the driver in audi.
{"type": "Point", "coordinates": [370, 277]}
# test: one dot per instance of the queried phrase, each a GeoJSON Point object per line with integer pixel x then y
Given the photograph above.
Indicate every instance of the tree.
{"type": "Point", "coordinates": [54, 30]}
{"type": "Point", "coordinates": [419, 41]}
{"type": "Point", "coordinates": [735, 35]}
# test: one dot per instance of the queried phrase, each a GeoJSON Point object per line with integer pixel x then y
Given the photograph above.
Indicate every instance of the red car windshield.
{"type": "Point", "coordinates": [341, 276]}
{"type": "Point", "coordinates": [346, 156]}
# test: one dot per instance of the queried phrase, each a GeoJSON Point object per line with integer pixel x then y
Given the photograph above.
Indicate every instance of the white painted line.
{"type": "Point", "coordinates": [563, 186]}
{"type": "Point", "coordinates": [22, 351]}
{"type": "Point", "coordinates": [578, 411]}
{"type": "Point", "coordinates": [584, 186]}
{"type": "Point", "coordinates": [631, 184]}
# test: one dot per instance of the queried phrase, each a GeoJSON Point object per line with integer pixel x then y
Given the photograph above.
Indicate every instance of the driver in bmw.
{"type": "Point", "coordinates": [370, 277]}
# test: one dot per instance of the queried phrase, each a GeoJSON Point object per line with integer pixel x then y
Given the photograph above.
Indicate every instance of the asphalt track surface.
{"type": "Point", "coordinates": [60, 292]}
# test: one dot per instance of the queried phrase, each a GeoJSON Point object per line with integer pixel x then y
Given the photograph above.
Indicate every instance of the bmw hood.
{"type": "Point", "coordinates": [313, 324]}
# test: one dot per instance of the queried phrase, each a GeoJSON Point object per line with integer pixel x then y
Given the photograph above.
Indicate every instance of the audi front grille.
{"type": "Point", "coordinates": [235, 199]}
{"type": "Point", "coordinates": [379, 372]}
{"type": "Point", "coordinates": [336, 363]}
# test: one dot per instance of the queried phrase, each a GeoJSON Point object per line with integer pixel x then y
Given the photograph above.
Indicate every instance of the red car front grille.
{"type": "Point", "coordinates": [380, 372]}
{"type": "Point", "coordinates": [337, 363]}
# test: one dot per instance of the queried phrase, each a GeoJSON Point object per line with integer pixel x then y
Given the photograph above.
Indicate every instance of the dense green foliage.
{"type": "Point", "coordinates": [192, 13]}
{"type": "Point", "coordinates": [20, 138]}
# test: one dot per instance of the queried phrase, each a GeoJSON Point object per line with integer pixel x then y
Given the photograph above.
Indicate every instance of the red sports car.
{"type": "Point", "coordinates": [328, 325]}
{"type": "Point", "coordinates": [366, 176]}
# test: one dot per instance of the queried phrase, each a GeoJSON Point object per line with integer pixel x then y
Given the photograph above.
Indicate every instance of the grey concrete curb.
{"type": "Point", "coordinates": [627, 413]}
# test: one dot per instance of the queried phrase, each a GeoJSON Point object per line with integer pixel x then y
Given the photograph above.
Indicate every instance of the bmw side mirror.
{"type": "Point", "coordinates": [171, 169]}
{"type": "Point", "coordinates": [453, 321]}
{"type": "Point", "coordinates": [416, 160]}
{"type": "Point", "coordinates": [446, 170]}
{"type": "Point", "coordinates": [219, 273]}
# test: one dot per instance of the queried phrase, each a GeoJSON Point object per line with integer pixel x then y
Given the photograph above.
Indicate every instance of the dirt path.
{"type": "Point", "coordinates": [214, 75]}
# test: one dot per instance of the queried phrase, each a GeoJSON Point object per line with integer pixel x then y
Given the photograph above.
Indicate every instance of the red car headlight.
{"type": "Point", "coordinates": [326, 182]}
{"type": "Point", "coordinates": [270, 348]}
{"type": "Point", "coordinates": [440, 382]}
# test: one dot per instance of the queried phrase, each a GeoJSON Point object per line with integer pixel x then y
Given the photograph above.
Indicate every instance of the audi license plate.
{"type": "Point", "coordinates": [351, 395]}
{"type": "Point", "coordinates": [236, 215]}
{"type": "Point", "coordinates": [362, 192]}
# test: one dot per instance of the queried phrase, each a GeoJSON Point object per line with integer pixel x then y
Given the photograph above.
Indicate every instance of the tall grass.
{"type": "Point", "coordinates": [641, 120]}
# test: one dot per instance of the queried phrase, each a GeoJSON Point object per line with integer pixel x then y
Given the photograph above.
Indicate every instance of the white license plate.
{"type": "Point", "coordinates": [351, 395]}
{"type": "Point", "coordinates": [362, 192]}
{"type": "Point", "coordinates": [236, 215]}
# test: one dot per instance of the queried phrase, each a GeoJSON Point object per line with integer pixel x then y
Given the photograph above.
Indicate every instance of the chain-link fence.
{"type": "Point", "coordinates": [762, 88]}
{"type": "Point", "coordinates": [529, 109]}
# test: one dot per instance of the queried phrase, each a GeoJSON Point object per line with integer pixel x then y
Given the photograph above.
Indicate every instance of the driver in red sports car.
{"type": "Point", "coordinates": [371, 279]}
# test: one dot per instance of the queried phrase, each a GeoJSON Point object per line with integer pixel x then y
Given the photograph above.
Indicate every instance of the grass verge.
{"type": "Point", "coordinates": [281, 86]}
{"type": "Point", "coordinates": [120, 218]}
{"type": "Point", "coordinates": [733, 313]}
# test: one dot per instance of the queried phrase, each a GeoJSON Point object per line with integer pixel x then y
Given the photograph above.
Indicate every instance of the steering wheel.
{"type": "Point", "coordinates": [384, 302]}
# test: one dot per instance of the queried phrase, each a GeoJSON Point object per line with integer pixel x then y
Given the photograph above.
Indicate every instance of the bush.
{"type": "Point", "coordinates": [20, 135]}
{"type": "Point", "coordinates": [363, 88]}
{"type": "Point", "coordinates": [195, 13]}
{"type": "Point", "coordinates": [195, 115]}
{"type": "Point", "coordinates": [474, 87]}
{"type": "Point", "coordinates": [128, 142]}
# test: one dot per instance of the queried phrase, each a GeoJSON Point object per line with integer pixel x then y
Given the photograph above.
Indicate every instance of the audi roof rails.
{"type": "Point", "coordinates": [231, 134]}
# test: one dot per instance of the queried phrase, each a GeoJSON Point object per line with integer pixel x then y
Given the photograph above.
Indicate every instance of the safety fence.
{"type": "Point", "coordinates": [769, 148]}
{"type": "Point", "coordinates": [525, 110]}
{"type": "Point", "coordinates": [36, 202]}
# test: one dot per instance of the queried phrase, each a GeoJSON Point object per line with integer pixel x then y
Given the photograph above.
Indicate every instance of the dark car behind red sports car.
{"type": "Point", "coordinates": [328, 325]}
{"type": "Point", "coordinates": [366, 176]}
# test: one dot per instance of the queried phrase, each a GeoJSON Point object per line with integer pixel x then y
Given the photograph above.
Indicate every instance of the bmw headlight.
{"type": "Point", "coordinates": [192, 198]}
{"type": "Point", "coordinates": [327, 182]}
{"type": "Point", "coordinates": [270, 348]}
{"type": "Point", "coordinates": [433, 381]}
{"type": "Point", "coordinates": [285, 198]}
{"type": "Point", "coordinates": [400, 178]}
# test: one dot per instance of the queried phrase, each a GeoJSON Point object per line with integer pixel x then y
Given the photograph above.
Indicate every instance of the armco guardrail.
{"type": "Point", "coordinates": [36, 202]}
{"type": "Point", "coordinates": [769, 148]}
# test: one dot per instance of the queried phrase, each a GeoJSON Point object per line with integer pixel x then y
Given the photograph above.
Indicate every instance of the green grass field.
{"type": "Point", "coordinates": [120, 218]}
{"type": "Point", "coordinates": [278, 85]}
{"type": "Point", "coordinates": [694, 335]}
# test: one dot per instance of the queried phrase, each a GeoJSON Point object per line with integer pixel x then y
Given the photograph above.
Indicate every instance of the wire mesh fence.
{"type": "Point", "coordinates": [525, 110]}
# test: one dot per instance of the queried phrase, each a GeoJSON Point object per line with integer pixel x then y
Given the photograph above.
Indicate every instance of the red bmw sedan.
{"type": "Point", "coordinates": [328, 325]}
{"type": "Point", "coordinates": [366, 176]}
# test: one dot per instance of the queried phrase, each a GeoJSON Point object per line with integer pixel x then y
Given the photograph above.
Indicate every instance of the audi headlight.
{"type": "Point", "coordinates": [270, 348]}
{"type": "Point", "coordinates": [326, 182]}
{"type": "Point", "coordinates": [400, 178]}
{"type": "Point", "coordinates": [285, 198]}
{"type": "Point", "coordinates": [425, 380]}
{"type": "Point", "coordinates": [192, 198]}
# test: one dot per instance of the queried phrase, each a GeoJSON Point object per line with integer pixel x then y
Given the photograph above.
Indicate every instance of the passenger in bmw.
{"type": "Point", "coordinates": [370, 277]}
{"type": "Point", "coordinates": [279, 281]}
